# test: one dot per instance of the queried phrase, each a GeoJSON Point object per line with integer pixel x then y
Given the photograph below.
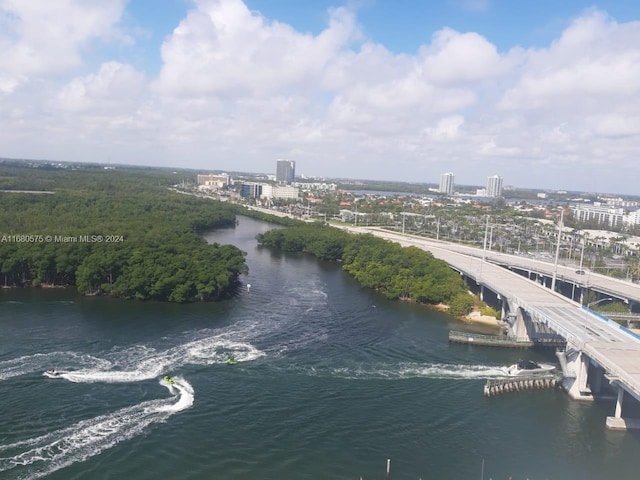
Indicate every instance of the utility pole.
{"type": "Point", "coordinates": [484, 245]}
{"type": "Point", "coordinates": [555, 268]}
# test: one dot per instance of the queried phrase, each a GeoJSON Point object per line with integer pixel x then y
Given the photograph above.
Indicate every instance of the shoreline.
{"type": "Point", "coordinates": [477, 318]}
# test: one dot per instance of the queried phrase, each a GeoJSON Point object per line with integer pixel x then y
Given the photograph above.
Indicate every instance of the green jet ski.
{"type": "Point", "coordinates": [168, 379]}
{"type": "Point", "coordinates": [231, 361]}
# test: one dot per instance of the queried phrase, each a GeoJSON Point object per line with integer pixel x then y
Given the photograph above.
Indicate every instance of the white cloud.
{"type": "Point", "coordinates": [454, 58]}
{"type": "Point", "coordinates": [615, 126]}
{"type": "Point", "coordinates": [237, 90]}
{"type": "Point", "coordinates": [222, 47]}
{"type": "Point", "coordinates": [114, 88]}
{"type": "Point", "coordinates": [447, 129]}
{"type": "Point", "coordinates": [595, 60]}
{"type": "Point", "coordinates": [490, 148]}
{"type": "Point", "coordinates": [42, 38]}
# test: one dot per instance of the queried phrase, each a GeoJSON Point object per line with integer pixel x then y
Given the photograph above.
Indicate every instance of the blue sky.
{"type": "Point", "coordinates": [545, 94]}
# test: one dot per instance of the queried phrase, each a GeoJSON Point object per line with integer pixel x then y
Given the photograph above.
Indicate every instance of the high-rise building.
{"type": "Point", "coordinates": [285, 171]}
{"type": "Point", "coordinates": [446, 183]}
{"type": "Point", "coordinates": [494, 186]}
{"type": "Point", "coordinates": [250, 190]}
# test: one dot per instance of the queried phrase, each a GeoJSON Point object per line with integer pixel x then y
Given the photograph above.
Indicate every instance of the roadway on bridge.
{"type": "Point", "coordinates": [609, 286]}
{"type": "Point", "coordinates": [615, 349]}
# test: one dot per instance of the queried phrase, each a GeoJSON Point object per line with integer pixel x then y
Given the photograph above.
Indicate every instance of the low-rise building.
{"type": "Point", "coordinates": [214, 181]}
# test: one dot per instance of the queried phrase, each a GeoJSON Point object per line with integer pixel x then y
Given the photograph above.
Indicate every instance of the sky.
{"type": "Point", "coordinates": [545, 94]}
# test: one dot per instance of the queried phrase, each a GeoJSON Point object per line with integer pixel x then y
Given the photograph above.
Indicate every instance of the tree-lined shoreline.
{"type": "Point", "coordinates": [400, 273]}
{"type": "Point", "coordinates": [117, 233]}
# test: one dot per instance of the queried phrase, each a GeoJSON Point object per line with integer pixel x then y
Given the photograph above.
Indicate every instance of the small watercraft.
{"type": "Point", "coordinates": [168, 379]}
{"type": "Point", "coordinates": [52, 373]}
{"type": "Point", "coordinates": [529, 367]}
{"type": "Point", "coordinates": [231, 361]}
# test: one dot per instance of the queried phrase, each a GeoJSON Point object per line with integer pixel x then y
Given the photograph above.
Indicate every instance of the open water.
{"type": "Point", "coordinates": [332, 381]}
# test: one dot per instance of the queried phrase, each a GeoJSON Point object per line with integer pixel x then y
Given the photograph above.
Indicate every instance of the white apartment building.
{"type": "Point", "coordinates": [494, 186]}
{"type": "Point", "coordinates": [447, 183]}
{"type": "Point", "coordinates": [280, 191]}
{"type": "Point", "coordinates": [600, 214]}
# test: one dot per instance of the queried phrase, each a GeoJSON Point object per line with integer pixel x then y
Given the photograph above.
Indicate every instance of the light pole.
{"type": "Point", "coordinates": [598, 301]}
{"type": "Point", "coordinates": [555, 267]}
{"type": "Point", "coordinates": [582, 254]}
{"type": "Point", "coordinates": [484, 244]}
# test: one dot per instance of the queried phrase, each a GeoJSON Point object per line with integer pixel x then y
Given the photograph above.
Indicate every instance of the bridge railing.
{"type": "Point", "coordinates": [613, 323]}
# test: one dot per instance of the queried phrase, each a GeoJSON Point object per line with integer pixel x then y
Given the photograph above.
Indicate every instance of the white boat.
{"type": "Point", "coordinates": [53, 373]}
{"type": "Point", "coordinates": [529, 367]}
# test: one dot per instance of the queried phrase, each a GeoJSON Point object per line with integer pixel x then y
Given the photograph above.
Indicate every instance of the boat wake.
{"type": "Point", "coordinates": [409, 370]}
{"type": "Point", "coordinates": [37, 457]}
{"type": "Point", "coordinates": [42, 361]}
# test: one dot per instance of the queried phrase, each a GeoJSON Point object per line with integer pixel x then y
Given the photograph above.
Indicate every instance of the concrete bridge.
{"type": "Point", "coordinates": [600, 354]}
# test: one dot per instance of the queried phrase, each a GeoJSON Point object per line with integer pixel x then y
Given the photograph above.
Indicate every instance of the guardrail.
{"type": "Point", "coordinates": [613, 323]}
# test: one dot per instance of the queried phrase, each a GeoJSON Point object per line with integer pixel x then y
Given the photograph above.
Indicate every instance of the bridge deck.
{"type": "Point", "coordinates": [615, 349]}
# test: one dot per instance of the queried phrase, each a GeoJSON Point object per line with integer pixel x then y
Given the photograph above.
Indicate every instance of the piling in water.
{"type": "Point", "coordinates": [516, 384]}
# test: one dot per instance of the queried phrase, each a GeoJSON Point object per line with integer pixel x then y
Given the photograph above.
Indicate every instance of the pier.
{"type": "Point", "coordinates": [457, 336]}
{"type": "Point", "coordinates": [516, 384]}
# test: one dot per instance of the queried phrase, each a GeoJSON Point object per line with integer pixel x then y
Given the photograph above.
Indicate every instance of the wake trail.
{"type": "Point", "coordinates": [41, 361]}
{"type": "Point", "coordinates": [37, 457]}
{"type": "Point", "coordinates": [408, 370]}
{"type": "Point", "coordinates": [137, 364]}
{"type": "Point", "coordinates": [144, 362]}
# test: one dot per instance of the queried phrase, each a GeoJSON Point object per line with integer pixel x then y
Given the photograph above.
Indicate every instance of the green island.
{"type": "Point", "coordinates": [120, 233]}
{"type": "Point", "coordinates": [124, 233]}
{"type": "Point", "coordinates": [400, 273]}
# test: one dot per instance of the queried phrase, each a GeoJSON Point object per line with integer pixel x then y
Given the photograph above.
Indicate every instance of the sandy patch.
{"type": "Point", "coordinates": [476, 317]}
{"type": "Point", "coordinates": [441, 307]}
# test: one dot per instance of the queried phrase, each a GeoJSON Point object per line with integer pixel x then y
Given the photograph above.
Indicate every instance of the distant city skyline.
{"type": "Point", "coordinates": [545, 93]}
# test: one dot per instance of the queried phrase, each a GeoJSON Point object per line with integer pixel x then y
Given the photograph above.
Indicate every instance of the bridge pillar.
{"type": "Point", "coordinates": [576, 387]}
{"type": "Point", "coordinates": [595, 383]}
{"type": "Point", "coordinates": [482, 292]}
{"type": "Point", "coordinates": [519, 327]}
{"type": "Point", "coordinates": [618, 413]}
{"type": "Point", "coordinates": [617, 422]}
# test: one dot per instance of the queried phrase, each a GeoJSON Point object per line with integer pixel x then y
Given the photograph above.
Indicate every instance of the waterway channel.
{"type": "Point", "coordinates": [332, 381]}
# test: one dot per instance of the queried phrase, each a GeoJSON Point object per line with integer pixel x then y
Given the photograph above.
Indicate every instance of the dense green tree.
{"type": "Point", "coordinates": [398, 273]}
{"type": "Point", "coordinates": [150, 245]}
{"type": "Point", "coordinates": [461, 304]}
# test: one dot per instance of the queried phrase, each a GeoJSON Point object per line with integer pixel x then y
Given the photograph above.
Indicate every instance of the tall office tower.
{"type": "Point", "coordinates": [285, 171]}
{"type": "Point", "coordinates": [494, 186]}
{"type": "Point", "coordinates": [446, 183]}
